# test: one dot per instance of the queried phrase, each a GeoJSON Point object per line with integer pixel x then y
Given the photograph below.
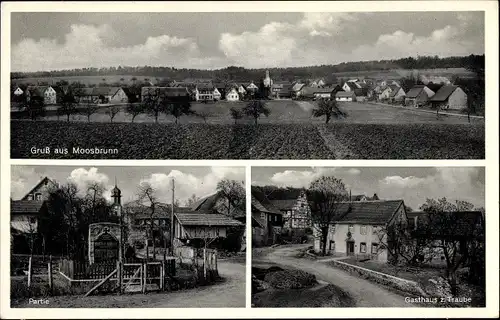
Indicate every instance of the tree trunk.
{"type": "Point", "coordinates": [175, 120]}
{"type": "Point", "coordinates": [324, 236]}
{"type": "Point", "coordinates": [67, 117]}
{"type": "Point", "coordinates": [255, 120]}
{"type": "Point", "coordinates": [327, 119]}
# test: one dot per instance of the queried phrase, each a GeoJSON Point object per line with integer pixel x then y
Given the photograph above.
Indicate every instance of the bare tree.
{"type": "Point", "coordinates": [328, 108]}
{"type": "Point", "coordinates": [204, 115]}
{"type": "Point", "coordinates": [255, 109]}
{"type": "Point", "coordinates": [112, 111]}
{"type": "Point", "coordinates": [89, 110]}
{"type": "Point", "coordinates": [236, 114]}
{"type": "Point", "coordinates": [147, 196]}
{"type": "Point", "coordinates": [134, 109]}
{"type": "Point", "coordinates": [153, 102]}
{"type": "Point", "coordinates": [177, 108]}
{"type": "Point", "coordinates": [326, 196]}
{"type": "Point", "coordinates": [234, 195]}
{"type": "Point", "coordinates": [192, 200]}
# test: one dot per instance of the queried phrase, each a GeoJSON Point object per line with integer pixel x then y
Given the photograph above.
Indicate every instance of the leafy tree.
{"type": "Point", "coordinates": [192, 200]}
{"type": "Point", "coordinates": [112, 111]}
{"type": "Point", "coordinates": [445, 225]}
{"type": "Point", "coordinates": [153, 103]}
{"type": "Point", "coordinates": [89, 110]}
{"type": "Point", "coordinates": [328, 108]}
{"type": "Point", "coordinates": [35, 107]}
{"type": "Point", "coordinates": [177, 108]}
{"type": "Point", "coordinates": [69, 103]}
{"type": "Point", "coordinates": [134, 109]}
{"type": "Point", "coordinates": [147, 195]}
{"type": "Point", "coordinates": [236, 114]}
{"type": "Point", "coordinates": [234, 194]}
{"type": "Point", "coordinates": [325, 196]}
{"type": "Point", "coordinates": [255, 108]}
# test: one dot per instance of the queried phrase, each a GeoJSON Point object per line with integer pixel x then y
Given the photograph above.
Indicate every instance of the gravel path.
{"type": "Point", "coordinates": [364, 292]}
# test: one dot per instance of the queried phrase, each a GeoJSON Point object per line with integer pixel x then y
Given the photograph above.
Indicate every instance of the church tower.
{"type": "Point", "coordinates": [116, 194]}
{"type": "Point", "coordinates": [267, 80]}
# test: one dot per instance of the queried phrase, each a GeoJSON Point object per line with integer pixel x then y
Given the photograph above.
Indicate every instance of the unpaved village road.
{"type": "Point", "coordinates": [364, 292]}
{"type": "Point", "coordinates": [227, 294]}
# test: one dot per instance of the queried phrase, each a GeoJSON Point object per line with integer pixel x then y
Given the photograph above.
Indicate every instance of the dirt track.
{"type": "Point", "coordinates": [364, 292]}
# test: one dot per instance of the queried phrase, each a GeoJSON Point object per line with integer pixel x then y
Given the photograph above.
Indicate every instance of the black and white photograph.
{"type": "Point", "coordinates": [248, 85]}
{"type": "Point", "coordinates": [368, 237]}
{"type": "Point", "coordinates": [127, 237]}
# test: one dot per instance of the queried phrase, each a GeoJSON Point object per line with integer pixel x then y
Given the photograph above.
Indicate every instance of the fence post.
{"type": "Point", "coordinates": [49, 271]}
{"type": "Point", "coordinates": [162, 274]}
{"type": "Point", "coordinates": [205, 264]}
{"type": "Point", "coordinates": [30, 271]}
{"type": "Point", "coordinates": [145, 276]}
{"type": "Point", "coordinates": [119, 276]}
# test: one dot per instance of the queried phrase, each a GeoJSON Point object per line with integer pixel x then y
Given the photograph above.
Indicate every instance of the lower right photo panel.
{"type": "Point", "coordinates": [368, 237]}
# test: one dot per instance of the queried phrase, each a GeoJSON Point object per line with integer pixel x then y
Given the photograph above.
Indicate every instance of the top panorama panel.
{"type": "Point", "coordinates": [248, 85]}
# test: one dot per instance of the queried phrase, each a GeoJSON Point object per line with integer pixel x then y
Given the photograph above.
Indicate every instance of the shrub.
{"type": "Point", "coordinates": [290, 279]}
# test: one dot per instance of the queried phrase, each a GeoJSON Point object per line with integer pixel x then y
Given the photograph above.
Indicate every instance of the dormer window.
{"type": "Point", "coordinates": [38, 196]}
{"type": "Point", "coordinates": [30, 197]}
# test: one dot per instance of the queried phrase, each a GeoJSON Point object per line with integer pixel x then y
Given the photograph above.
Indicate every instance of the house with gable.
{"type": "Point", "coordinates": [345, 96]}
{"type": "Point", "coordinates": [26, 213]}
{"type": "Point", "coordinates": [449, 97]}
{"type": "Point", "coordinates": [385, 95]}
{"type": "Point", "coordinates": [397, 94]}
{"type": "Point", "coordinates": [267, 221]}
{"type": "Point", "coordinates": [294, 207]}
{"type": "Point", "coordinates": [107, 95]}
{"type": "Point", "coordinates": [232, 94]}
{"type": "Point", "coordinates": [361, 229]}
{"type": "Point", "coordinates": [18, 92]}
{"type": "Point", "coordinates": [418, 96]}
{"type": "Point", "coordinates": [349, 86]}
{"type": "Point", "coordinates": [47, 94]}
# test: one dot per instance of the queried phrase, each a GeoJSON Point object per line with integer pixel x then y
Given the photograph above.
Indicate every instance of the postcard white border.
{"type": "Point", "coordinates": [491, 163]}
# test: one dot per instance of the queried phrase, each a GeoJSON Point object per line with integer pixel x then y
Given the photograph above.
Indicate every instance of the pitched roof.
{"type": "Point", "coordinates": [167, 91]}
{"type": "Point", "coordinates": [25, 206]}
{"type": "Point", "coordinates": [344, 94]}
{"type": "Point", "coordinates": [393, 87]}
{"type": "Point", "coordinates": [105, 91]}
{"type": "Point", "coordinates": [205, 86]}
{"type": "Point", "coordinates": [205, 203]}
{"type": "Point", "coordinates": [206, 219]}
{"type": "Point", "coordinates": [374, 212]}
{"type": "Point", "coordinates": [415, 91]}
{"type": "Point", "coordinates": [44, 180]}
{"type": "Point", "coordinates": [443, 93]}
{"type": "Point", "coordinates": [261, 203]}
{"type": "Point", "coordinates": [37, 91]}
{"type": "Point", "coordinates": [395, 91]}
{"type": "Point", "coordinates": [298, 86]}
{"type": "Point", "coordinates": [352, 85]}
{"type": "Point", "coordinates": [284, 204]}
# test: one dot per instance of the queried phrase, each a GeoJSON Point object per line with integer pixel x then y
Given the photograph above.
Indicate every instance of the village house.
{"type": "Point", "coordinates": [267, 221]}
{"type": "Point", "coordinates": [315, 93]}
{"type": "Point", "coordinates": [281, 89]}
{"type": "Point", "coordinates": [385, 95]}
{"type": "Point", "coordinates": [46, 93]}
{"type": "Point", "coordinates": [251, 88]}
{"type": "Point", "coordinates": [295, 209]}
{"type": "Point", "coordinates": [345, 96]}
{"type": "Point", "coordinates": [25, 214]}
{"type": "Point", "coordinates": [176, 93]}
{"type": "Point", "coordinates": [233, 95]}
{"type": "Point", "coordinates": [418, 96]}
{"type": "Point", "coordinates": [350, 86]}
{"type": "Point", "coordinates": [110, 95]}
{"type": "Point", "coordinates": [217, 203]}
{"type": "Point", "coordinates": [18, 92]}
{"type": "Point", "coordinates": [361, 94]}
{"type": "Point", "coordinates": [242, 91]}
{"type": "Point", "coordinates": [397, 94]}
{"type": "Point", "coordinates": [133, 93]}
{"type": "Point", "coordinates": [296, 89]}
{"type": "Point", "coordinates": [361, 229]}
{"type": "Point", "coordinates": [449, 97]}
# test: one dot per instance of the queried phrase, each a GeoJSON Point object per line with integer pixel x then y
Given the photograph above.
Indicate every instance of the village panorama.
{"type": "Point", "coordinates": [221, 93]}
{"type": "Point", "coordinates": [156, 237]}
{"type": "Point", "coordinates": [367, 237]}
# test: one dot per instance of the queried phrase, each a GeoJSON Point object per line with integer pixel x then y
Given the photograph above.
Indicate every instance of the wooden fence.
{"type": "Point", "coordinates": [203, 260]}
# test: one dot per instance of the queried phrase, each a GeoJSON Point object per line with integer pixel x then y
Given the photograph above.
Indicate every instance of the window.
{"type": "Point", "coordinates": [30, 197]}
{"type": "Point", "coordinates": [262, 215]}
{"type": "Point", "coordinates": [362, 247]}
{"type": "Point", "coordinates": [276, 218]}
{"type": "Point", "coordinates": [261, 231]}
{"type": "Point", "coordinates": [332, 245]}
{"type": "Point", "coordinates": [362, 230]}
{"type": "Point", "coordinates": [38, 196]}
{"type": "Point", "coordinates": [351, 228]}
{"type": "Point", "coordinates": [332, 229]}
{"type": "Point", "coordinates": [374, 248]}
{"type": "Point", "coordinates": [269, 218]}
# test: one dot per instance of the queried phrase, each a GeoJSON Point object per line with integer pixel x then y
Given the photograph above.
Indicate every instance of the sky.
{"type": "Point", "coordinates": [201, 181]}
{"type": "Point", "coordinates": [43, 41]}
{"type": "Point", "coordinates": [413, 185]}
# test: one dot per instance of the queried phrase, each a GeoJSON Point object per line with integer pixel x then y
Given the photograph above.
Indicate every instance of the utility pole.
{"type": "Point", "coordinates": [172, 229]}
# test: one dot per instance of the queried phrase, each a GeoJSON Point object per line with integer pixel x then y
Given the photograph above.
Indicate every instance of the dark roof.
{"type": "Point", "coordinates": [393, 87]}
{"type": "Point", "coordinates": [205, 86]}
{"type": "Point", "coordinates": [443, 93]}
{"type": "Point", "coordinates": [284, 204]}
{"type": "Point", "coordinates": [131, 92]}
{"type": "Point", "coordinates": [45, 180]}
{"type": "Point", "coordinates": [352, 85]}
{"type": "Point", "coordinates": [261, 203]}
{"type": "Point", "coordinates": [206, 219]}
{"type": "Point", "coordinates": [415, 91]}
{"type": "Point", "coordinates": [341, 94]}
{"type": "Point", "coordinates": [167, 91]}
{"type": "Point", "coordinates": [105, 91]}
{"type": "Point", "coordinates": [374, 212]}
{"type": "Point", "coordinates": [37, 91]}
{"type": "Point", "coordinates": [25, 206]}
{"type": "Point", "coordinates": [395, 90]}
{"type": "Point", "coordinates": [205, 203]}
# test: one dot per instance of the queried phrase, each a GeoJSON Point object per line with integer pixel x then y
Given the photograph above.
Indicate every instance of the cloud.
{"type": "Point", "coordinates": [82, 178]}
{"type": "Point", "coordinates": [303, 178]}
{"type": "Point", "coordinates": [22, 180]}
{"type": "Point", "coordinates": [462, 183]}
{"type": "Point", "coordinates": [187, 184]}
{"type": "Point", "coordinates": [447, 41]}
{"type": "Point", "coordinates": [86, 46]}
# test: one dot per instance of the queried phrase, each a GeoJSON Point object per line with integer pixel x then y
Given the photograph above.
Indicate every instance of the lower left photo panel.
{"type": "Point", "coordinates": [127, 236]}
